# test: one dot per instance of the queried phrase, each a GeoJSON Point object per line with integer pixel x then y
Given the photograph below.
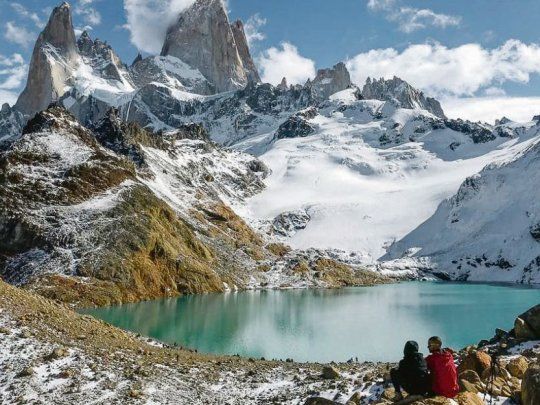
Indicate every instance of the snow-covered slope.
{"type": "Point", "coordinates": [490, 229]}
{"type": "Point", "coordinates": [350, 170]}
{"type": "Point", "coordinates": [369, 174]}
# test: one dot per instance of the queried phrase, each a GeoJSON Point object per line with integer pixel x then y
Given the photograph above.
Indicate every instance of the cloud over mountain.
{"type": "Point", "coordinates": [285, 61]}
{"type": "Point", "coordinates": [148, 20]}
{"type": "Point", "coordinates": [459, 71]}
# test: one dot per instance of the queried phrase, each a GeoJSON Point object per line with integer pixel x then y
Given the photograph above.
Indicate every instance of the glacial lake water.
{"type": "Point", "coordinates": [371, 323]}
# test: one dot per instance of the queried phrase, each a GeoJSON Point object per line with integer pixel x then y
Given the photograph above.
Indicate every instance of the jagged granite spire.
{"type": "Point", "coordinates": [137, 59]}
{"type": "Point", "coordinates": [100, 56]}
{"type": "Point", "coordinates": [203, 38]}
{"type": "Point", "coordinates": [403, 92]}
{"type": "Point", "coordinates": [54, 58]}
{"type": "Point", "coordinates": [243, 50]}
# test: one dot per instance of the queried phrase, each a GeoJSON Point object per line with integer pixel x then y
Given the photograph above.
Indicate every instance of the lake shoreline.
{"type": "Point", "coordinates": [48, 345]}
{"type": "Point", "coordinates": [321, 325]}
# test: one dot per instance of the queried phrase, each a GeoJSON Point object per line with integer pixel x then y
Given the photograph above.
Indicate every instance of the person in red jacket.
{"type": "Point", "coordinates": [442, 369]}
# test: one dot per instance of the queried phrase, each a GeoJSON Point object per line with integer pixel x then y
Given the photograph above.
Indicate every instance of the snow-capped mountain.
{"type": "Point", "coordinates": [490, 229]}
{"type": "Point", "coordinates": [364, 173]}
{"type": "Point", "coordinates": [346, 170]}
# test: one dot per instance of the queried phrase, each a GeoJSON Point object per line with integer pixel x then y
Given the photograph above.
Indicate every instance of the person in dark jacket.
{"type": "Point", "coordinates": [412, 373]}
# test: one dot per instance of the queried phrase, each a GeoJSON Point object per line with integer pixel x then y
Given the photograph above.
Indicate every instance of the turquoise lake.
{"type": "Point", "coordinates": [371, 323]}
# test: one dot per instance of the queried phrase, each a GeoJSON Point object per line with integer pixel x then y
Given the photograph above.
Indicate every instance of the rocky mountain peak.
{"type": "Point", "coordinates": [396, 89]}
{"type": "Point", "coordinates": [85, 43]}
{"type": "Point", "coordinates": [283, 85]}
{"type": "Point", "coordinates": [330, 81]}
{"type": "Point", "coordinates": [203, 38]}
{"type": "Point", "coordinates": [137, 59]}
{"type": "Point", "coordinates": [100, 55]}
{"type": "Point", "coordinates": [243, 50]}
{"type": "Point", "coordinates": [54, 58]}
{"type": "Point", "coordinates": [59, 31]}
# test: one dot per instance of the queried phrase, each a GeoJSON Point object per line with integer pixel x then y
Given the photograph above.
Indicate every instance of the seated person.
{"type": "Point", "coordinates": [412, 372]}
{"type": "Point", "coordinates": [442, 369]}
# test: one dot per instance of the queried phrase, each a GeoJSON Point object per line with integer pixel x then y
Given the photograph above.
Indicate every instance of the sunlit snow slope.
{"type": "Point", "coordinates": [360, 195]}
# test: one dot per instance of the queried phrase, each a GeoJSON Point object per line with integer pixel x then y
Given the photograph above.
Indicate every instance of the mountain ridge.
{"type": "Point", "coordinates": [387, 156]}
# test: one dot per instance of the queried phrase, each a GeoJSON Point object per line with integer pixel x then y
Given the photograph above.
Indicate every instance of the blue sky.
{"type": "Point", "coordinates": [451, 49]}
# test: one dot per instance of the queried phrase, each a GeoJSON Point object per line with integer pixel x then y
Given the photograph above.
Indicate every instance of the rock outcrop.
{"type": "Point", "coordinates": [527, 325]}
{"type": "Point", "coordinates": [298, 125]}
{"type": "Point", "coordinates": [54, 59]}
{"type": "Point", "coordinates": [330, 81]}
{"type": "Point", "coordinates": [244, 52]}
{"type": "Point", "coordinates": [530, 386]}
{"type": "Point", "coordinates": [101, 57]}
{"type": "Point", "coordinates": [170, 72]}
{"type": "Point", "coordinates": [11, 123]}
{"type": "Point", "coordinates": [402, 92]}
{"type": "Point", "coordinates": [203, 38]}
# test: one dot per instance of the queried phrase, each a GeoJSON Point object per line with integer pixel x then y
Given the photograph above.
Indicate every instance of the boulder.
{"type": "Point", "coordinates": [517, 367]}
{"type": "Point", "coordinates": [437, 401]}
{"type": "Point", "coordinates": [319, 401]}
{"type": "Point", "coordinates": [411, 399]}
{"type": "Point", "coordinates": [470, 376]}
{"type": "Point", "coordinates": [527, 325]}
{"type": "Point", "coordinates": [530, 386]}
{"type": "Point", "coordinates": [522, 330]}
{"type": "Point", "coordinates": [26, 372]}
{"type": "Point", "coordinates": [470, 381]}
{"type": "Point", "coordinates": [468, 398]}
{"type": "Point", "coordinates": [355, 398]}
{"type": "Point", "coordinates": [329, 373]}
{"type": "Point", "coordinates": [467, 386]}
{"type": "Point", "coordinates": [56, 354]}
{"type": "Point", "coordinates": [475, 360]}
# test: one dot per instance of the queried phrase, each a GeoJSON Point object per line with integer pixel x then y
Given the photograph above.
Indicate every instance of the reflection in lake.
{"type": "Point", "coordinates": [371, 323]}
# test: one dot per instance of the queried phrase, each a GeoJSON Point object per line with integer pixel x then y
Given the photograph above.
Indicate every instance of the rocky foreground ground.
{"type": "Point", "coordinates": [50, 354]}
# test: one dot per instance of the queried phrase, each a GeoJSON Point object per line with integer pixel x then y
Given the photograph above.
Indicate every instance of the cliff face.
{"type": "Point", "coordinates": [243, 50]}
{"type": "Point", "coordinates": [331, 81]}
{"type": "Point", "coordinates": [54, 59]}
{"type": "Point", "coordinates": [203, 38]}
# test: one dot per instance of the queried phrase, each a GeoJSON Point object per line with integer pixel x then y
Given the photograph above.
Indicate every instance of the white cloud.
{"type": "Point", "coordinates": [148, 21]}
{"type": "Point", "coordinates": [460, 71]}
{"type": "Point", "coordinates": [253, 29]}
{"type": "Point", "coordinates": [18, 35]}
{"type": "Point", "coordinates": [85, 9]}
{"type": "Point", "coordinates": [494, 91]}
{"type": "Point", "coordinates": [13, 71]}
{"type": "Point", "coordinates": [276, 63]}
{"type": "Point", "coordinates": [377, 5]}
{"type": "Point", "coordinates": [488, 109]}
{"type": "Point", "coordinates": [410, 19]}
{"type": "Point", "coordinates": [25, 13]}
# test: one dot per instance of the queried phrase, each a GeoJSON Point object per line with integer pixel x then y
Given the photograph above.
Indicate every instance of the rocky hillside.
{"type": "Point", "coordinates": [119, 214]}
{"type": "Point", "coordinates": [59, 356]}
